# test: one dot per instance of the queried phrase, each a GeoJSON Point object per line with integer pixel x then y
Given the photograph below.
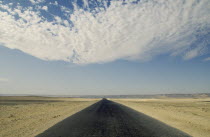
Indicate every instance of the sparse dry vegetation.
{"type": "Point", "coordinates": [189, 115]}
{"type": "Point", "coordinates": [28, 116]}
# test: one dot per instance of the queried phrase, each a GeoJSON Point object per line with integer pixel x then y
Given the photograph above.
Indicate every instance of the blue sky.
{"type": "Point", "coordinates": [104, 47]}
{"type": "Point", "coordinates": [29, 75]}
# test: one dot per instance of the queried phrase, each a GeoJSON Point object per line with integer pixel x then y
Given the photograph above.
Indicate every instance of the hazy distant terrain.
{"type": "Point", "coordinates": [197, 95]}
{"type": "Point", "coordinates": [191, 115]}
{"type": "Point", "coordinates": [28, 116]}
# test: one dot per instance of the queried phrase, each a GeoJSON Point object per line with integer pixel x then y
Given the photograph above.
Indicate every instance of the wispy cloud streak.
{"type": "Point", "coordinates": [207, 59]}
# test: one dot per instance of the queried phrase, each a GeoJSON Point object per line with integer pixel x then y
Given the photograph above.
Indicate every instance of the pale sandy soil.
{"type": "Point", "coordinates": [29, 116]}
{"type": "Point", "coordinates": [189, 115]}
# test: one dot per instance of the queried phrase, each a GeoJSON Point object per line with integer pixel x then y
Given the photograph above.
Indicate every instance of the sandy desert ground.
{"type": "Point", "coordinates": [189, 115]}
{"type": "Point", "coordinates": [29, 116]}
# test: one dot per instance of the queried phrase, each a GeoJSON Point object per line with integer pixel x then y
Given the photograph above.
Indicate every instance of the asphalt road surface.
{"type": "Point", "coordinates": [109, 119]}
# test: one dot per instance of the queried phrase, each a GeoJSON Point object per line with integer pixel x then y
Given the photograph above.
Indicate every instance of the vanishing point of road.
{"type": "Point", "coordinates": [109, 119]}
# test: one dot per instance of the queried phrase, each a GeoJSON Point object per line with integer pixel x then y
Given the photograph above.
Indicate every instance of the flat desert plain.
{"type": "Point", "coordinates": [29, 116]}
{"type": "Point", "coordinates": [191, 115]}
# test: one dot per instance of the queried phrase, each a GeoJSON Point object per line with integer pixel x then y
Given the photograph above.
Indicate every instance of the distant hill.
{"type": "Point", "coordinates": [200, 95]}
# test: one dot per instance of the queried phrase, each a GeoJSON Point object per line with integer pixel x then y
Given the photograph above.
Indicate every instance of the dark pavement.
{"type": "Point", "coordinates": [109, 119]}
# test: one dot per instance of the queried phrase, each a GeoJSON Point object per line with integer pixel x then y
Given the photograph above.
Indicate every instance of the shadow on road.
{"type": "Point", "coordinates": [109, 119]}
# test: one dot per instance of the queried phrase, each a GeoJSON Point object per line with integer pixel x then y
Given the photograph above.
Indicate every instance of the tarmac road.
{"type": "Point", "coordinates": [109, 119]}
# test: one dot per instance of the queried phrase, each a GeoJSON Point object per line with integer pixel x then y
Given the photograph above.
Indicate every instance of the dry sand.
{"type": "Point", "coordinates": [29, 116]}
{"type": "Point", "coordinates": [189, 115]}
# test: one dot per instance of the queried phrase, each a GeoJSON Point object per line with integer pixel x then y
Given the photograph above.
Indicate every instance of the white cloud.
{"type": "Point", "coordinates": [207, 59]}
{"type": "Point", "coordinates": [132, 31]}
{"type": "Point", "coordinates": [36, 1]}
{"type": "Point", "coordinates": [56, 3]}
{"type": "Point", "coordinates": [33, 1]}
{"type": "Point", "coordinates": [45, 8]}
{"type": "Point", "coordinates": [194, 52]}
{"type": "Point", "coordinates": [4, 80]}
{"type": "Point", "coordinates": [86, 4]}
